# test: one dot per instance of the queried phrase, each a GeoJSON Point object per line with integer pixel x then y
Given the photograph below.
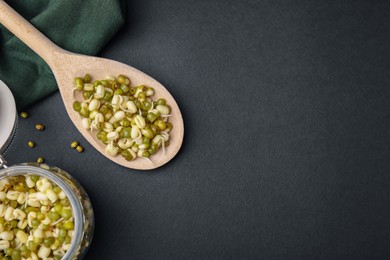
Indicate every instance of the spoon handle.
{"type": "Point", "coordinates": [28, 34]}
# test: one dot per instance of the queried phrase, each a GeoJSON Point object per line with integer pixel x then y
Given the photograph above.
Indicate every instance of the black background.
{"type": "Point", "coordinates": [286, 150]}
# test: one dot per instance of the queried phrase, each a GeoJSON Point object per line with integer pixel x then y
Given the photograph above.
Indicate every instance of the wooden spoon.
{"type": "Point", "coordinates": [67, 65]}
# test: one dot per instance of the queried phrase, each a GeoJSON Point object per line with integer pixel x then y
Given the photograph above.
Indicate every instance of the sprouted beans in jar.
{"type": "Point", "coordinates": [125, 118]}
{"type": "Point", "coordinates": [36, 219]}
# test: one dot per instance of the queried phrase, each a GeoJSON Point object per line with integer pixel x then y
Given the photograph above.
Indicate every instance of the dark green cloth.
{"type": "Point", "coordinates": [78, 26]}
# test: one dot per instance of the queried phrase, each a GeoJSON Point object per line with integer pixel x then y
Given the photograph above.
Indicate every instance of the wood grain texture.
{"type": "Point", "coordinates": [66, 66]}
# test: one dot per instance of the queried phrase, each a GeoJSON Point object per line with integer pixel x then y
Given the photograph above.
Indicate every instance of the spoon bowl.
{"type": "Point", "coordinates": [66, 66]}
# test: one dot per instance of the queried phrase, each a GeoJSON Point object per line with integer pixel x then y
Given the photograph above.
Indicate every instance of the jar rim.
{"type": "Point", "coordinates": [43, 170]}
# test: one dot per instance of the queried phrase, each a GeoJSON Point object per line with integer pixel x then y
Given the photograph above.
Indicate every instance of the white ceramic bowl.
{"type": "Point", "coordinates": [7, 116]}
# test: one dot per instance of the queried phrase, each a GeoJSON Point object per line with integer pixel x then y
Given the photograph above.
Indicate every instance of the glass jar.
{"type": "Point", "coordinates": [78, 198]}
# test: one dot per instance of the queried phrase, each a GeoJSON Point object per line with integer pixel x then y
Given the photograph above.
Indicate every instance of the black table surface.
{"type": "Point", "coordinates": [286, 152]}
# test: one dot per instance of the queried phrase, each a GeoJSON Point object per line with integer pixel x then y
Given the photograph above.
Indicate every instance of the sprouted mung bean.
{"type": "Point", "coordinates": [36, 219]}
{"type": "Point", "coordinates": [125, 118]}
